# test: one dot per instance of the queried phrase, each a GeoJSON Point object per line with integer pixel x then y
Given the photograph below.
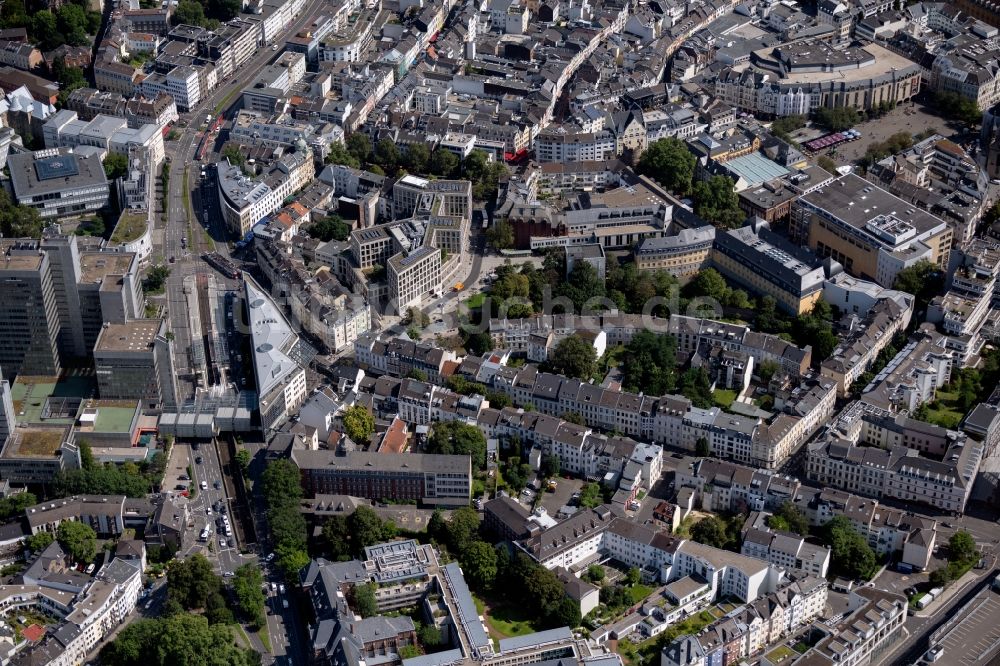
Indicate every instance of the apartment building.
{"type": "Point", "coordinates": [913, 377]}
{"type": "Point", "coordinates": [181, 82]}
{"type": "Point", "coordinates": [160, 111]}
{"type": "Point", "coordinates": [797, 77]}
{"type": "Point", "coordinates": [871, 628]}
{"type": "Point", "coordinates": [434, 480]}
{"type": "Point", "coordinates": [231, 45]}
{"type": "Point", "coordinates": [397, 357]}
{"type": "Point", "coordinates": [859, 347]}
{"type": "Point", "coordinates": [899, 472]}
{"type": "Point", "coordinates": [114, 76]}
{"type": "Point", "coordinates": [747, 630]}
{"type": "Point", "coordinates": [109, 133]}
{"type": "Point", "coordinates": [963, 310]}
{"type": "Point", "coordinates": [59, 183]}
{"type": "Point", "coordinates": [20, 55]}
{"type": "Point", "coordinates": [134, 360]}
{"type": "Point", "coordinates": [251, 128]}
{"type": "Point", "coordinates": [246, 201]}
{"type": "Point", "coordinates": [556, 144]}
{"type": "Point", "coordinates": [871, 233]}
{"type": "Point", "coordinates": [786, 550]}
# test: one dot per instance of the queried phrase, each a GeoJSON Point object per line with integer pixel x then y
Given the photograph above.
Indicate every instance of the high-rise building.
{"type": "Point", "coordinates": [133, 361]}
{"type": "Point", "coordinates": [29, 317]}
{"type": "Point", "coordinates": [7, 418]}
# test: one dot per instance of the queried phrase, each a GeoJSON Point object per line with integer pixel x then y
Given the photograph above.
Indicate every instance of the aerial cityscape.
{"type": "Point", "coordinates": [499, 333]}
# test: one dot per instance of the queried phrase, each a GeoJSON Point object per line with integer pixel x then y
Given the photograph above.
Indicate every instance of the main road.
{"type": "Point", "coordinates": [179, 207]}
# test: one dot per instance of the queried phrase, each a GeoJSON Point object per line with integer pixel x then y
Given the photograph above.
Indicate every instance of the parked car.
{"type": "Point", "coordinates": [222, 542]}
{"type": "Point", "coordinates": [281, 588]}
{"type": "Point", "coordinates": [198, 460]}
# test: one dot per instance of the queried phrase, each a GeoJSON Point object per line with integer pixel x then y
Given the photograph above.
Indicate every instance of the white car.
{"type": "Point", "coordinates": [281, 588]}
{"type": "Point", "coordinates": [208, 512]}
{"type": "Point", "coordinates": [204, 485]}
{"type": "Point", "coordinates": [274, 586]}
{"type": "Point", "coordinates": [222, 542]}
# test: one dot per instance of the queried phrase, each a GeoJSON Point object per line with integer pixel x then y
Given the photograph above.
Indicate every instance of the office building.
{"type": "Point", "coordinates": [767, 265]}
{"type": "Point", "coordinates": [58, 183]}
{"type": "Point", "coordinates": [414, 277]}
{"type": "Point", "coordinates": [133, 360]}
{"type": "Point", "coordinates": [435, 480]}
{"type": "Point", "coordinates": [681, 255]}
{"type": "Point", "coordinates": [29, 317]}
{"type": "Point", "coordinates": [871, 233]}
{"type": "Point", "coordinates": [280, 380]}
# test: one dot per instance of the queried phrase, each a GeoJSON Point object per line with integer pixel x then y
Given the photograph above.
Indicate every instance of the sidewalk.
{"type": "Point", "coordinates": [971, 577]}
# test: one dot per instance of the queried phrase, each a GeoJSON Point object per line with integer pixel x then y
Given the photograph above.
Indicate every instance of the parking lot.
{"type": "Point", "coordinates": [560, 497]}
{"type": "Point", "coordinates": [974, 637]}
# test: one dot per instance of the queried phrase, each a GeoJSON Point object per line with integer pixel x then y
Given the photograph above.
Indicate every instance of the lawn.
{"type": "Point", "coordinates": [504, 620]}
{"type": "Point", "coordinates": [780, 653]}
{"type": "Point", "coordinates": [639, 592]}
{"type": "Point", "coordinates": [723, 397]}
{"type": "Point", "coordinates": [265, 638]}
{"type": "Point", "coordinates": [129, 228]}
{"type": "Point", "coordinates": [944, 411]}
{"type": "Point", "coordinates": [476, 301]}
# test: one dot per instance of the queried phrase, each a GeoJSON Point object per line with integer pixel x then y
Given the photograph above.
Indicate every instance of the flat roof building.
{"type": "Point", "coordinates": [133, 360]}
{"type": "Point", "coordinates": [870, 232]}
{"type": "Point", "coordinates": [59, 183]}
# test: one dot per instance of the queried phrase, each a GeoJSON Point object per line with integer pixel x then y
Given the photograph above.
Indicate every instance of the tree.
{"type": "Point", "coordinates": [223, 10]}
{"type": "Point", "coordinates": [794, 519]}
{"type": "Point", "coordinates": [716, 201]}
{"type": "Point", "coordinates": [501, 235]}
{"type": "Point", "coordinates": [962, 548]}
{"type": "Point", "coordinates": [78, 540]}
{"type": "Point", "coordinates": [566, 613]}
{"type": "Point", "coordinates": [282, 492]}
{"type": "Point", "coordinates": [924, 280]}
{"type": "Point", "coordinates": [115, 166]}
{"type": "Point", "coordinates": [457, 438]}
{"type": "Point", "coordinates": [836, 120]}
{"type": "Point", "coordinates": [767, 370]}
{"type": "Point", "coordinates": [827, 164]}
{"type": "Point", "coordinates": [190, 582]}
{"type": "Point", "coordinates": [359, 424]}
{"type": "Point", "coordinates": [178, 639]}
{"type": "Point", "coordinates": [443, 163]}
{"type": "Point", "coordinates": [696, 387]}
{"type": "Point", "coordinates": [479, 564]}
{"type": "Point", "coordinates": [46, 30]}
{"type": "Point", "coordinates": [595, 573]}
{"type": "Point", "coordinates": [633, 576]}
{"type": "Point", "coordinates": [461, 530]}
{"type": "Point", "coordinates": [669, 162]}
{"type": "Point", "coordinates": [156, 278]}
{"type": "Point", "coordinates": [702, 448]}
{"type": "Point", "coordinates": [582, 286]}
{"type": "Point", "coordinates": [243, 460]}
{"type": "Point", "coordinates": [782, 127]}
{"type": "Point", "coordinates": [339, 155]}
{"type": "Point", "coordinates": [574, 417]}
{"type": "Point", "coordinates": [18, 221]}
{"type": "Point", "coordinates": [36, 543]}
{"type": "Point", "coordinates": [940, 577]}
{"type": "Point", "coordinates": [189, 12]}
{"type": "Point", "coordinates": [957, 107]}
{"type": "Point", "coordinates": [430, 636]}
{"type": "Point", "coordinates": [365, 528]}
{"type": "Point", "coordinates": [14, 505]}
{"type": "Point", "coordinates": [849, 552]}
{"type": "Point", "coordinates": [417, 157]}
{"type": "Point", "coordinates": [709, 283]}
{"type": "Point", "coordinates": [359, 146]}
{"type": "Point", "coordinates": [574, 357]}
{"type": "Point", "coordinates": [387, 155]}
{"type": "Point", "coordinates": [710, 531]}
{"type": "Point", "coordinates": [330, 228]}
{"type": "Point", "coordinates": [363, 600]}
{"type": "Point", "coordinates": [72, 21]}
{"type": "Point", "coordinates": [550, 466]}
{"type": "Point", "coordinates": [649, 363]}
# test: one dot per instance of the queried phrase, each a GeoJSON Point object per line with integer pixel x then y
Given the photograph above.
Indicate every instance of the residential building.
{"type": "Point", "coordinates": [681, 255]}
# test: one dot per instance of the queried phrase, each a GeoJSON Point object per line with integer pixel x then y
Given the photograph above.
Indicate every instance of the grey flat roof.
{"type": "Point", "coordinates": [55, 171]}
{"type": "Point", "coordinates": [538, 638]}
{"type": "Point", "coordinates": [436, 659]}
{"type": "Point", "coordinates": [362, 460]}
{"type": "Point", "coordinates": [469, 619]}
